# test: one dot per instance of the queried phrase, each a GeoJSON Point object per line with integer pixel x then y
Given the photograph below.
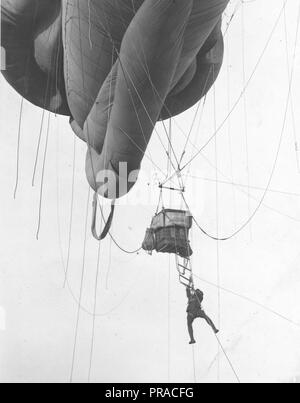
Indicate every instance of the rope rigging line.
{"type": "Point", "coordinates": [109, 264]}
{"type": "Point", "coordinates": [217, 219]}
{"type": "Point", "coordinates": [239, 188]}
{"type": "Point", "coordinates": [228, 359]}
{"type": "Point", "coordinates": [169, 162]}
{"type": "Point", "coordinates": [194, 364]}
{"type": "Point", "coordinates": [42, 178]}
{"type": "Point", "coordinates": [18, 148]}
{"type": "Point", "coordinates": [245, 107]}
{"type": "Point", "coordinates": [243, 185]}
{"type": "Point", "coordinates": [71, 212]}
{"type": "Point", "coordinates": [249, 300]}
{"type": "Point", "coordinates": [294, 128]}
{"type": "Point", "coordinates": [171, 149]}
{"type": "Point", "coordinates": [237, 7]}
{"type": "Point", "coordinates": [38, 148]}
{"type": "Point", "coordinates": [229, 131]}
{"type": "Point", "coordinates": [94, 312]}
{"type": "Point", "coordinates": [81, 288]}
{"type": "Point", "coordinates": [196, 136]}
{"type": "Point", "coordinates": [202, 101]}
{"type": "Point", "coordinates": [169, 320]}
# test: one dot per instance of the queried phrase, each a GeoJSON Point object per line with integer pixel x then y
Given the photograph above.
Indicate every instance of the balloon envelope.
{"type": "Point", "coordinates": [115, 67]}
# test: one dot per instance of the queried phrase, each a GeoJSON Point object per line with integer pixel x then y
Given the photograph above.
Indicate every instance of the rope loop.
{"type": "Point", "coordinates": [108, 222]}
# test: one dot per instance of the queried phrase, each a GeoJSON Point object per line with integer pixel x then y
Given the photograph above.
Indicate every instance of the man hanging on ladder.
{"type": "Point", "coordinates": [194, 310]}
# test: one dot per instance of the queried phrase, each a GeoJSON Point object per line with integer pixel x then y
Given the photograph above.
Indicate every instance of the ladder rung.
{"type": "Point", "coordinates": [184, 267]}
{"type": "Point", "coordinates": [183, 273]}
{"type": "Point", "coordinates": [186, 285]}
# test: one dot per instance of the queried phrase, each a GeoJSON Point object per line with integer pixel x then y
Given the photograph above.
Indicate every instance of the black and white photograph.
{"type": "Point", "coordinates": [150, 194]}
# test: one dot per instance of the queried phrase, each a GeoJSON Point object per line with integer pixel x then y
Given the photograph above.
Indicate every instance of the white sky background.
{"type": "Point", "coordinates": [136, 315]}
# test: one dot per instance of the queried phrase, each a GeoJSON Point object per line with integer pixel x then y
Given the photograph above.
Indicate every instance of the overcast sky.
{"type": "Point", "coordinates": [140, 329]}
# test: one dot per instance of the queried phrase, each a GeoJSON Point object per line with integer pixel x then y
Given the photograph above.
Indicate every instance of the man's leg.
{"type": "Point", "coordinates": [210, 322]}
{"type": "Point", "coordinates": [190, 320]}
